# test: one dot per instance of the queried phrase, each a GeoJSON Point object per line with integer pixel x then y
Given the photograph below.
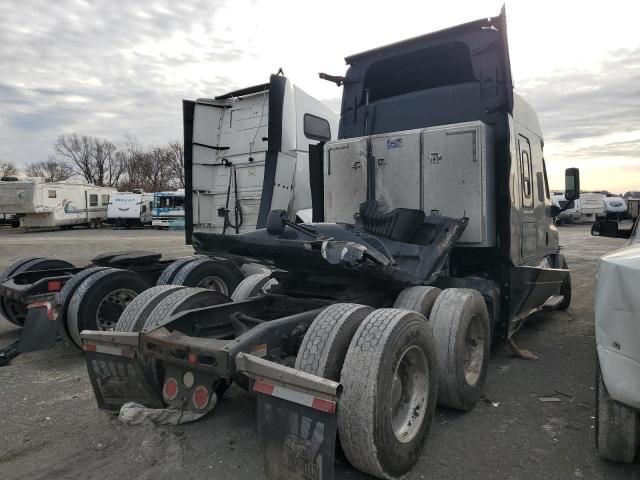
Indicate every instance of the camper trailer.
{"type": "Point", "coordinates": [168, 209]}
{"type": "Point", "coordinates": [130, 209]}
{"type": "Point", "coordinates": [615, 208]}
{"type": "Point", "coordinates": [49, 205]}
{"type": "Point", "coordinates": [591, 207]}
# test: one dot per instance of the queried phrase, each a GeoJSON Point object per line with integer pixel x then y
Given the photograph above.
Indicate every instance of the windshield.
{"type": "Point", "coordinates": [168, 202]}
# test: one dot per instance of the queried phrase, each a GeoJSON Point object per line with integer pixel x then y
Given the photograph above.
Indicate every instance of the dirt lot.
{"type": "Point", "coordinates": [50, 426]}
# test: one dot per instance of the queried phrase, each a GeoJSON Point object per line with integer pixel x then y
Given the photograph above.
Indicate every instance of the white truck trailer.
{"type": "Point", "coordinates": [50, 205]}
{"type": "Point", "coordinates": [130, 209]}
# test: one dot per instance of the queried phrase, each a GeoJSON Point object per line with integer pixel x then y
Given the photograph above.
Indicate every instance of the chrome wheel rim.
{"type": "Point", "coordinates": [409, 394]}
{"type": "Point", "coordinates": [214, 283]}
{"type": "Point", "coordinates": [112, 306]}
{"type": "Point", "coordinates": [473, 351]}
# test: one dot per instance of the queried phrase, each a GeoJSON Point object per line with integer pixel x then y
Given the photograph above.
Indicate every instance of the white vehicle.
{"type": "Point", "coordinates": [248, 153]}
{"type": "Point", "coordinates": [591, 207]}
{"type": "Point", "coordinates": [617, 318]}
{"type": "Point", "coordinates": [129, 209]}
{"type": "Point", "coordinates": [615, 207]}
{"type": "Point", "coordinates": [47, 205]}
{"type": "Point", "coordinates": [168, 209]}
{"type": "Point", "coordinates": [570, 215]}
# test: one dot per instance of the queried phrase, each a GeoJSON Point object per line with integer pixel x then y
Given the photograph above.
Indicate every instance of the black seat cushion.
{"type": "Point", "coordinates": [400, 224]}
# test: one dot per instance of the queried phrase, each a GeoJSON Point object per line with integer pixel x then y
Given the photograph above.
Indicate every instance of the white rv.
{"type": "Point", "coordinates": [247, 153]}
{"type": "Point", "coordinates": [591, 207]}
{"type": "Point", "coordinates": [47, 205]}
{"type": "Point", "coordinates": [615, 208]}
{"type": "Point", "coordinates": [168, 209]}
{"type": "Point", "coordinates": [129, 209]}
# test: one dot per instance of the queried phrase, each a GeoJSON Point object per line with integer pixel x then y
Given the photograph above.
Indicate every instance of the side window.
{"type": "Point", "coordinates": [316, 128]}
{"type": "Point", "coordinates": [143, 209]}
{"type": "Point", "coordinates": [546, 179]}
{"type": "Point", "coordinates": [93, 200]}
{"type": "Point", "coordinates": [105, 200]}
{"type": "Point", "coordinates": [525, 167]}
{"type": "Point", "coordinates": [52, 194]}
{"type": "Point", "coordinates": [540, 185]}
{"type": "Point", "coordinates": [179, 202]}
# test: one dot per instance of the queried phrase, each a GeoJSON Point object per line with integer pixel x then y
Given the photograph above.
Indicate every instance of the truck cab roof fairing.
{"type": "Point", "coordinates": [455, 75]}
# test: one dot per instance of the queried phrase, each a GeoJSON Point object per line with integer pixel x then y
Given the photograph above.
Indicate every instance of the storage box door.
{"type": "Point", "coordinates": [345, 180]}
{"type": "Point", "coordinates": [397, 170]}
{"type": "Point", "coordinates": [454, 178]}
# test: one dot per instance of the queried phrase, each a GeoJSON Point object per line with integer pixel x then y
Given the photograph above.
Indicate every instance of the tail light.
{"type": "Point", "coordinates": [54, 285]}
{"type": "Point", "coordinates": [170, 389]}
{"type": "Point", "coordinates": [200, 397]}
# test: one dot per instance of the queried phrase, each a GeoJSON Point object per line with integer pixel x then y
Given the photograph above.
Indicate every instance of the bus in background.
{"type": "Point", "coordinates": [168, 209]}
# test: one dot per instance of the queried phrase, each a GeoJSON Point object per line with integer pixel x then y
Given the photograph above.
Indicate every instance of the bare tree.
{"type": "Point", "coordinates": [176, 163]}
{"type": "Point", "coordinates": [92, 158]}
{"type": "Point", "coordinates": [77, 152]}
{"type": "Point", "coordinates": [7, 169]}
{"type": "Point", "coordinates": [52, 170]}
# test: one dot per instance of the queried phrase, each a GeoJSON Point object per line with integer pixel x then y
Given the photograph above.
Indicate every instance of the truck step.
{"type": "Point", "coordinates": [552, 303]}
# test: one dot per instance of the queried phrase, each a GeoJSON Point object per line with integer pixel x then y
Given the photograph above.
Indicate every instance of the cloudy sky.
{"type": "Point", "coordinates": [115, 68]}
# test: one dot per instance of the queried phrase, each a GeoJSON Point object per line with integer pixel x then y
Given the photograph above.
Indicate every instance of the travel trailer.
{"type": "Point", "coordinates": [168, 209]}
{"type": "Point", "coordinates": [591, 207]}
{"type": "Point", "coordinates": [49, 205]}
{"type": "Point", "coordinates": [615, 208]}
{"type": "Point", "coordinates": [130, 209]}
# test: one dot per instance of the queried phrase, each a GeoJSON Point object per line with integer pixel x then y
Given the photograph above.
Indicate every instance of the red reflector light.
{"type": "Point", "coordinates": [170, 389]}
{"type": "Point", "coordinates": [192, 358]}
{"type": "Point", "coordinates": [90, 347]}
{"type": "Point", "coordinates": [54, 285]}
{"type": "Point", "coordinates": [201, 398]}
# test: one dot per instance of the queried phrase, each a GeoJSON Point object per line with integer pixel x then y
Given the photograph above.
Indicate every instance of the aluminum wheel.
{"type": "Point", "coordinates": [214, 283]}
{"type": "Point", "coordinates": [473, 351]}
{"type": "Point", "coordinates": [409, 394]}
{"type": "Point", "coordinates": [112, 306]}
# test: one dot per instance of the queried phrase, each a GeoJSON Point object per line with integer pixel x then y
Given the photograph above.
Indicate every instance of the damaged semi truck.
{"type": "Point", "coordinates": [432, 231]}
{"type": "Point", "coordinates": [248, 154]}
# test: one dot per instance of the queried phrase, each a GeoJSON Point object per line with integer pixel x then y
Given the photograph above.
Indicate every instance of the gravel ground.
{"type": "Point", "coordinates": [50, 426]}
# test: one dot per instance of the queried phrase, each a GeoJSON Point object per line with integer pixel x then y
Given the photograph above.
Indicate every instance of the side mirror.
{"type": "Point", "coordinates": [571, 184]}
{"type": "Point", "coordinates": [605, 228]}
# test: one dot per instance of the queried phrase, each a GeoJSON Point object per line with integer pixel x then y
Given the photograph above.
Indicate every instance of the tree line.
{"type": "Point", "coordinates": [101, 162]}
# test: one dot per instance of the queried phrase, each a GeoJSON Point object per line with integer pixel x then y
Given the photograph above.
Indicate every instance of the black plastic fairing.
{"type": "Point", "coordinates": [455, 75]}
{"type": "Point", "coordinates": [188, 110]}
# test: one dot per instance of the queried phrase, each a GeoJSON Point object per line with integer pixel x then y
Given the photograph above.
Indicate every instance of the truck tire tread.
{"type": "Point", "coordinates": [450, 319]}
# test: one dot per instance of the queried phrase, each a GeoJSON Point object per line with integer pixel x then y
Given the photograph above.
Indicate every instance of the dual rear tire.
{"type": "Point", "coordinates": [381, 427]}
{"type": "Point", "coordinates": [395, 364]}
{"type": "Point", "coordinates": [204, 272]}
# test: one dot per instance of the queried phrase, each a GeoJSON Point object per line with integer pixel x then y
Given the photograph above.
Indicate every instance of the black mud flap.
{"type": "Point", "coordinates": [298, 442]}
{"type": "Point", "coordinates": [297, 419]}
{"type": "Point", "coordinates": [40, 330]}
{"type": "Point", "coordinates": [117, 377]}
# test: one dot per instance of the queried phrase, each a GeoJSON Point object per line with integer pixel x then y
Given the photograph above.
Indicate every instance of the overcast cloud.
{"type": "Point", "coordinates": [121, 68]}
